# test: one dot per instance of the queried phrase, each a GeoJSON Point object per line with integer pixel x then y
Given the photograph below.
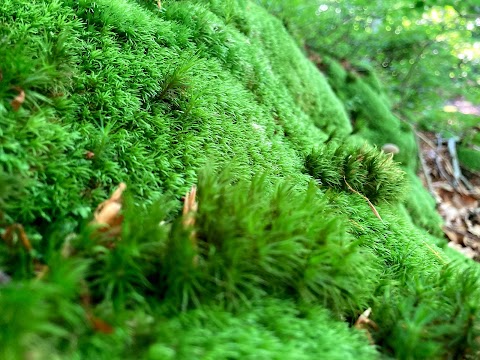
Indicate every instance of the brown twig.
{"type": "Point", "coordinates": [435, 252]}
{"type": "Point", "coordinates": [368, 201]}
{"type": "Point", "coordinates": [452, 149]}
{"type": "Point", "coordinates": [425, 140]}
{"type": "Point", "coordinates": [107, 214]}
{"type": "Point", "coordinates": [190, 208]}
{"type": "Point", "coordinates": [440, 167]}
{"type": "Point", "coordinates": [426, 173]}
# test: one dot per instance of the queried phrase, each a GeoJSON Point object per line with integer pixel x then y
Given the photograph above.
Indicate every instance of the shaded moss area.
{"type": "Point", "coordinates": [286, 249]}
{"type": "Point", "coordinates": [373, 121]}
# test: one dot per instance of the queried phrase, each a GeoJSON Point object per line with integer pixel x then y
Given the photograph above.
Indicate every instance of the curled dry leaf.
{"type": "Point", "coordinates": [18, 100]}
{"type": "Point", "coordinates": [41, 270]}
{"type": "Point", "coordinates": [365, 324]}
{"type": "Point", "coordinates": [190, 207]}
{"type": "Point", "coordinates": [107, 215]}
{"type": "Point", "coordinates": [8, 236]}
{"type": "Point", "coordinates": [96, 323]}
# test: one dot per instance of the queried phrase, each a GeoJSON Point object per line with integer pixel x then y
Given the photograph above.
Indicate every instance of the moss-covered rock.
{"type": "Point", "coordinates": [300, 226]}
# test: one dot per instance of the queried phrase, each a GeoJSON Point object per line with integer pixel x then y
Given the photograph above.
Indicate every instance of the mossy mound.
{"type": "Point", "coordinates": [287, 247]}
{"type": "Point", "coordinates": [469, 158]}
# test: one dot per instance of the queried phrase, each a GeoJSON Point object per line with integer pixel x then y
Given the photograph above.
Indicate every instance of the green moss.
{"type": "Point", "coordinates": [421, 207]}
{"type": "Point", "coordinates": [470, 158]}
{"type": "Point", "coordinates": [124, 91]}
{"type": "Point", "coordinates": [364, 169]}
{"type": "Point", "coordinates": [271, 329]}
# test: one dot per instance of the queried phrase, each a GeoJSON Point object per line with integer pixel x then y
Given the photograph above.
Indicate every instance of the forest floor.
{"type": "Point", "coordinates": [455, 189]}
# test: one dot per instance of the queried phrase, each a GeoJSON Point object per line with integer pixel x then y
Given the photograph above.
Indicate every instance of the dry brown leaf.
{"type": "Point", "coordinates": [473, 242]}
{"type": "Point", "coordinates": [18, 100]}
{"type": "Point", "coordinates": [453, 236]}
{"type": "Point", "coordinates": [472, 220]}
{"type": "Point", "coordinates": [190, 207]}
{"type": "Point", "coordinates": [97, 324]}
{"type": "Point", "coordinates": [449, 212]}
{"type": "Point", "coordinates": [20, 231]}
{"type": "Point", "coordinates": [468, 252]}
{"type": "Point", "coordinates": [89, 155]}
{"type": "Point", "coordinates": [107, 215]}
{"type": "Point", "coordinates": [100, 325]}
{"type": "Point", "coordinates": [365, 324]}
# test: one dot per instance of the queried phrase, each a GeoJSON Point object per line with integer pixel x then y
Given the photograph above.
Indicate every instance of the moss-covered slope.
{"type": "Point", "coordinates": [300, 226]}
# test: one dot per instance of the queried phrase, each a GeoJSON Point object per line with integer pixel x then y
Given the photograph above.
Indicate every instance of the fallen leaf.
{"type": "Point", "coordinates": [468, 252]}
{"type": "Point", "coordinates": [107, 215]}
{"type": "Point", "coordinates": [452, 235]}
{"type": "Point", "coordinates": [190, 208]}
{"type": "Point", "coordinates": [365, 324]}
{"type": "Point", "coordinates": [100, 325]}
{"type": "Point", "coordinates": [18, 100]}
{"type": "Point", "coordinates": [20, 231]}
{"type": "Point", "coordinates": [89, 155]}
{"type": "Point", "coordinates": [86, 301]}
{"type": "Point", "coordinates": [472, 220]}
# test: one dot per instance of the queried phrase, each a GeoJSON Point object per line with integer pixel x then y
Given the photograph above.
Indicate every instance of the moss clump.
{"type": "Point", "coordinates": [365, 169]}
{"type": "Point", "coordinates": [270, 329]}
{"type": "Point", "coordinates": [469, 158]}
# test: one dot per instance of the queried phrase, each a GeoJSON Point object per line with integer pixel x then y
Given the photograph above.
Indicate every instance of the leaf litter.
{"type": "Point", "coordinates": [457, 193]}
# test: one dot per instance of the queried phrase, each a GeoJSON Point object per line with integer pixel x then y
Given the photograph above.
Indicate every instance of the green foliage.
{"type": "Point", "coordinates": [420, 47]}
